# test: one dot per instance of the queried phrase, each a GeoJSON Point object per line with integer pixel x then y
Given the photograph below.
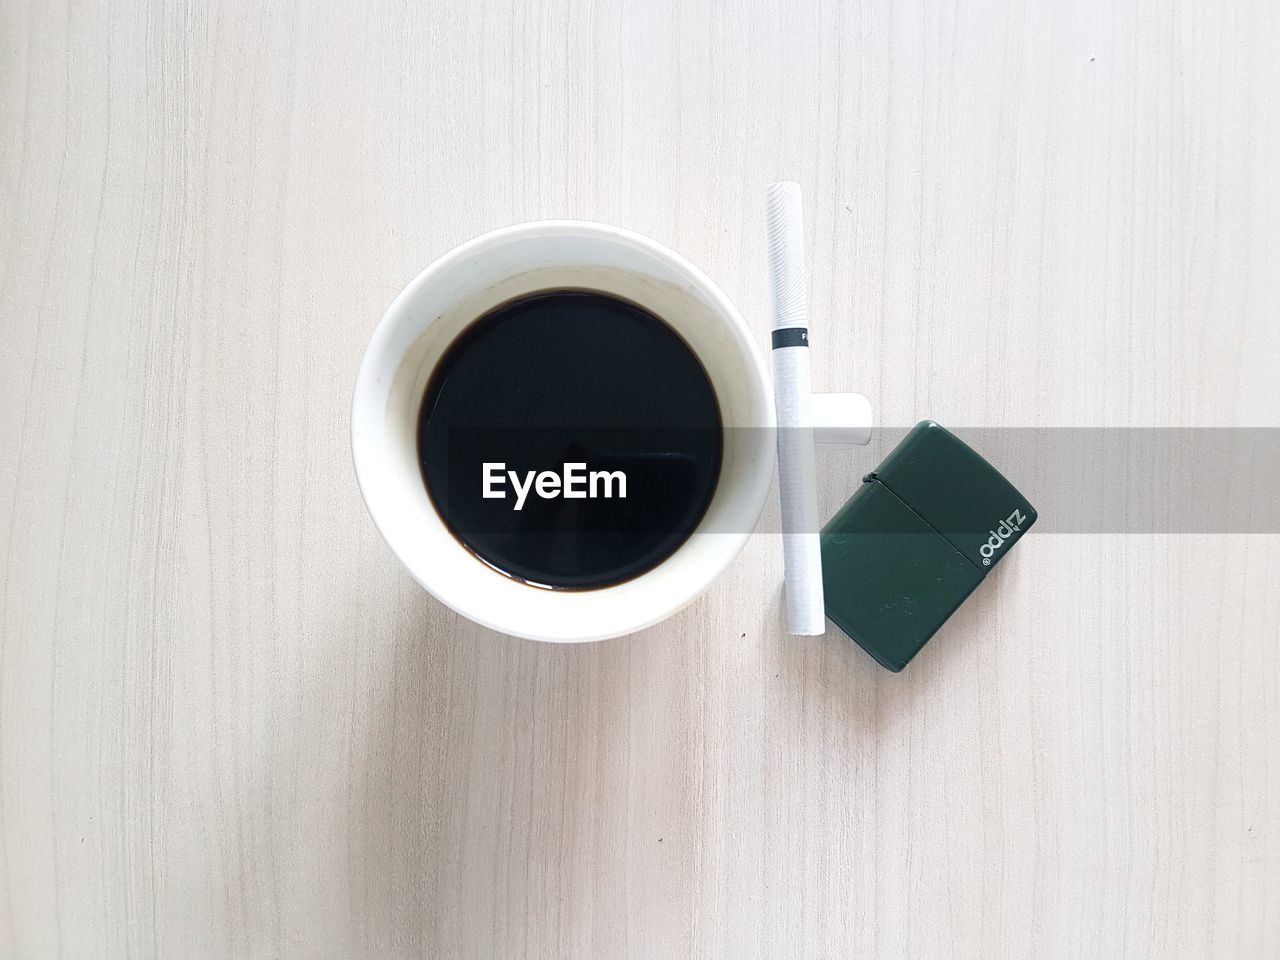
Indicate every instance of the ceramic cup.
{"type": "Point", "coordinates": [513, 261]}
{"type": "Point", "coordinates": [464, 284]}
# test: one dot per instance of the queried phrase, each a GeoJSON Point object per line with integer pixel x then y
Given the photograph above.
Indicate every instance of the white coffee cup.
{"type": "Point", "coordinates": [463, 285]}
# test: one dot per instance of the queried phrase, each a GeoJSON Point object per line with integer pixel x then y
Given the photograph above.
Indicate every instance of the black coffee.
{"type": "Point", "coordinates": [591, 427]}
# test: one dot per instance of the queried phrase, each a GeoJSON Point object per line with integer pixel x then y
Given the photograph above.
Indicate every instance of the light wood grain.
{"type": "Point", "coordinates": [231, 726]}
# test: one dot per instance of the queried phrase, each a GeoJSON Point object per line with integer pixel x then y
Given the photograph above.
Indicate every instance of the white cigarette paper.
{"type": "Point", "coordinates": [797, 480]}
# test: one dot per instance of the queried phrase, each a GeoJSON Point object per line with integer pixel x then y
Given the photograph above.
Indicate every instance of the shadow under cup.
{"type": "Point", "coordinates": [464, 285]}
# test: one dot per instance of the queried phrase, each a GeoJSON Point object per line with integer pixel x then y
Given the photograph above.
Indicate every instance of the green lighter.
{"type": "Point", "coordinates": [915, 540]}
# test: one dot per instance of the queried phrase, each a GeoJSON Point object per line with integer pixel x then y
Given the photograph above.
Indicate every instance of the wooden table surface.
{"type": "Point", "coordinates": [232, 726]}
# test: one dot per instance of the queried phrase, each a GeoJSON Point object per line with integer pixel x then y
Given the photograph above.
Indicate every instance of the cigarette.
{"type": "Point", "coordinates": [792, 397]}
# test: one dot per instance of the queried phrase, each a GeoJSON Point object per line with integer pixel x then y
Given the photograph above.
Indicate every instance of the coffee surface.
{"type": "Point", "coordinates": [566, 390]}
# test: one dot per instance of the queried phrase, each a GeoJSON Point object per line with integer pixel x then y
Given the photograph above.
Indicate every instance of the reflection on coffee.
{"type": "Point", "coordinates": [590, 415]}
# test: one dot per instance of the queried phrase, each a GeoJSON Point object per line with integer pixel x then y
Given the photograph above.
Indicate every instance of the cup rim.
{"type": "Point", "coordinates": [375, 358]}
